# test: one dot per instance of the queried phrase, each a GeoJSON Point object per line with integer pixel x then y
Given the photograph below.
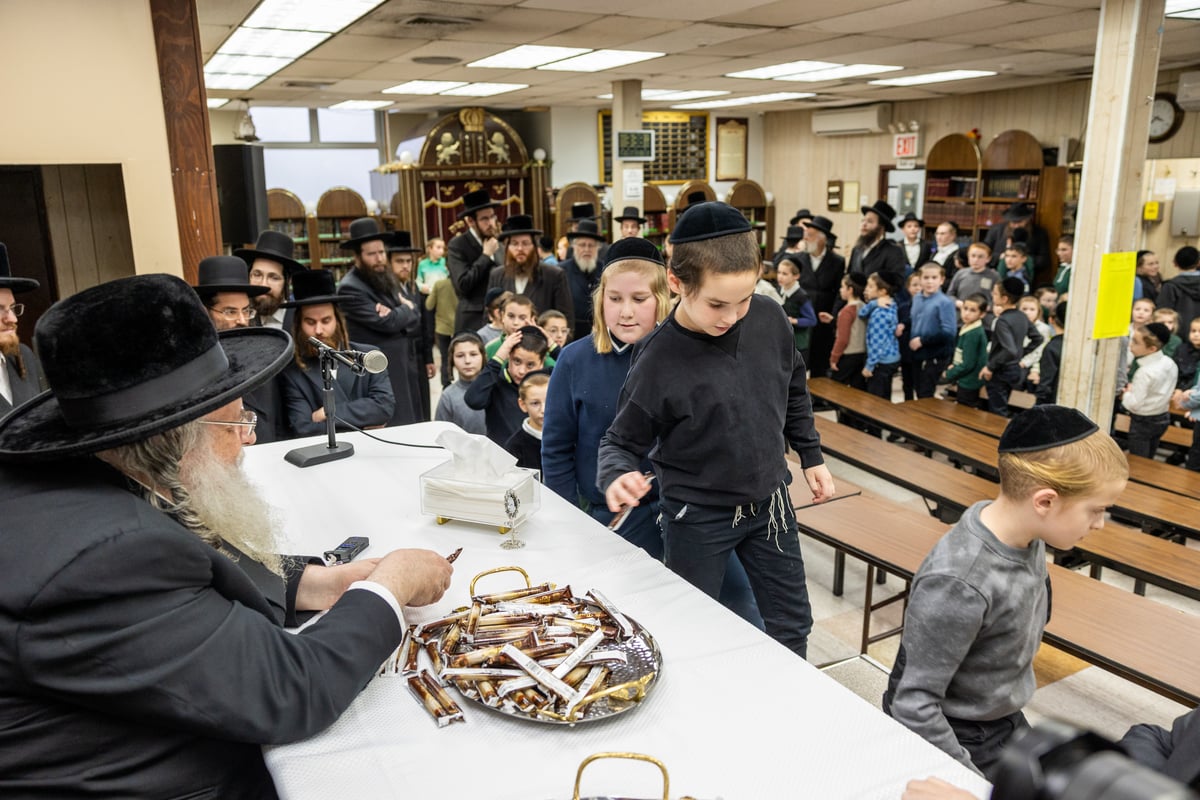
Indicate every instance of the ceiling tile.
{"type": "Point", "coordinates": [312, 68]}
{"type": "Point", "coordinates": [781, 13]}
{"type": "Point", "coordinates": [224, 12]}
{"type": "Point", "coordinates": [689, 9]}
{"type": "Point", "coordinates": [347, 47]}
{"type": "Point", "coordinates": [905, 12]}
{"type": "Point", "coordinates": [787, 43]}
{"type": "Point", "coordinates": [689, 38]}
{"type": "Point", "coordinates": [985, 20]}
{"type": "Point", "coordinates": [612, 32]}
{"type": "Point", "coordinates": [212, 36]}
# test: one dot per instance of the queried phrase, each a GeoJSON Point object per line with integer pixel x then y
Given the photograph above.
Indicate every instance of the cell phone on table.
{"type": "Point", "coordinates": [345, 552]}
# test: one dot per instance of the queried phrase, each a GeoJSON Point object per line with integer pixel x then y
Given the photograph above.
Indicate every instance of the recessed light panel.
{"type": "Point", "coordinates": [423, 87]}
{"type": "Point", "coordinates": [246, 65]}
{"type": "Point", "coordinates": [839, 73]}
{"type": "Point", "coordinates": [221, 80]}
{"type": "Point", "coordinates": [309, 15]}
{"type": "Point", "coordinates": [527, 56]}
{"type": "Point", "coordinates": [279, 44]}
{"type": "Point", "coordinates": [776, 70]}
{"type": "Point", "coordinates": [933, 77]}
{"type": "Point", "coordinates": [600, 60]}
{"type": "Point", "coordinates": [217, 102]}
{"type": "Point", "coordinates": [484, 89]}
{"type": "Point", "coordinates": [776, 97]}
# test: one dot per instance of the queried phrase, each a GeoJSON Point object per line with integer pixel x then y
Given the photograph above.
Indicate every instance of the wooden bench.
{"type": "Point", "coordinates": [1153, 508]}
{"type": "Point", "coordinates": [1150, 644]}
{"type": "Point", "coordinates": [1147, 559]}
{"type": "Point", "coordinates": [1176, 438]}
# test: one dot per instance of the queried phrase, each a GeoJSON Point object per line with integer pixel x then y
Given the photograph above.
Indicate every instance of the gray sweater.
{"type": "Point", "coordinates": [974, 622]}
{"type": "Point", "coordinates": [452, 407]}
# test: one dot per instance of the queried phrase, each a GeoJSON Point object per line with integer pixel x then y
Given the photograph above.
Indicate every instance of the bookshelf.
{"type": "Point", "coordinates": [751, 199]}
{"type": "Point", "coordinates": [286, 214]}
{"type": "Point", "coordinates": [681, 199]}
{"type": "Point", "coordinates": [568, 196]}
{"type": "Point", "coordinates": [336, 209]}
{"type": "Point", "coordinates": [953, 173]}
{"type": "Point", "coordinates": [654, 209]}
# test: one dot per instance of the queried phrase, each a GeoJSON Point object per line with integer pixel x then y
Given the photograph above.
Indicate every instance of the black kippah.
{"type": "Point", "coordinates": [634, 247]}
{"type": "Point", "coordinates": [532, 330]}
{"type": "Point", "coordinates": [707, 221]}
{"type": "Point", "coordinates": [1044, 427]}
{"type": "Point", "coordinates": [1159, 331]}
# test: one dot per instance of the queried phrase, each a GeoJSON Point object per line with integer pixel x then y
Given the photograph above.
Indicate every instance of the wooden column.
{"type": "Point", "coordinates": [1123, 80]}
{"type": "Point", "coordinates": [181, 74]}
{"type": "Point", "coordinates": [626, 116]}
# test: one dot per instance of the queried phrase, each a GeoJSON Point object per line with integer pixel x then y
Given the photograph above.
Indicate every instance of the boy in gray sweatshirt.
{"type": "Point", "coordinates": [980, 601]}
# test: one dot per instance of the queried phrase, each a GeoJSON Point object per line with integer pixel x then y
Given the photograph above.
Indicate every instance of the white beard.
{"type": "Point", "coordinates": [586, 265]}
{"type": "Point", "coordinates": [229, 505]}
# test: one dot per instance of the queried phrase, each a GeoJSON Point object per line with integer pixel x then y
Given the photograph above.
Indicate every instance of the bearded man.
{"type": "Point", "coordinates": [139, 656]}
{"type": "Point", "coordinates": [1019, 216]}
{"type": "Point", "coordinates": [271, 265]}
{"type": "Point", "coordinates": [523, 272]}
{"type": "Point", "coordinates": [402, 260]}
{"type": "Point", "coordinates": [376, 314]}
{"type": "Point", "coordinates": [583, 271]}
{"type": "Point", "coordinates": [20, 372]}
{"type": "Point", "coordinates": [873, 253]}
{"type": "Point", "coordinates": [361, 401]}
{"type": "Point", "coordinates": [471, 256]}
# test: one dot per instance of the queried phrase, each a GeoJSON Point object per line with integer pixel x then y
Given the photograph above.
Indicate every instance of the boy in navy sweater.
{"type": "Point", "coordinates": [933, 329]}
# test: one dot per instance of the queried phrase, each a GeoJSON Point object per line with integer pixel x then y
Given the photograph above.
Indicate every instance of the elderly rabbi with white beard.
{"type": "Point", "coordinates": [583, 270]}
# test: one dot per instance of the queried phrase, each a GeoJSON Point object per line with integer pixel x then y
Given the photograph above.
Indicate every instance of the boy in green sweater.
{"type": "Point", "coordinates": [970, 351]}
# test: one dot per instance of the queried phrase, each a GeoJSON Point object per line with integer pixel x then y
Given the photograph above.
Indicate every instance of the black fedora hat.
{"type": "Point", "coordinates": [803, 213]}
{"type": "Point", "coordinates": [911, 217]}
{"type": "Point", "coordinates": [273, 246]}
{"type": "Point", "coordinates": [794, 233]}
{"type": "Point", "coordinates": [363, 230]}
{"type": "Point", "coordinates": [631, 213]}
{"type": "Point", "coordinates": [633, 248]}
{"type": "Point", "coordinates": [476, 201]}
{"type": "Point", "coordinates": [822, 224]}
{"type": "Point", "coordinates": [313, 287]}
{"type": "Point", "coordinates": [401, 242]}
{"type": "Point", "coordinates": [517, 225]}
{"type": "Point", "coordinates": [885, 213]}
{"type": "Point", "coordinates": [582, 211]}
{"type": "Point", "coordinates": [129, 359]}
{"type": "Point", "coordinates": [588, 229]}
{"type": "Point", "coordinates": [1018, 211]}
{"type": "Point", "coordinates": [7, 281]}
{"type": "Point", "coordinates": [225, 274]}
{"type": "Point", "coordinates": [695, 197]}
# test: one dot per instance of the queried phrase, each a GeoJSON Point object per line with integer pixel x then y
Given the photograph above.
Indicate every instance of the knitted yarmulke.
{"type": "Point", "coordinates": [1044, 427]}
{"type": "Point", "coordinates": [709, 221]}
{"type": "Point", "coordinates": [636, 248]}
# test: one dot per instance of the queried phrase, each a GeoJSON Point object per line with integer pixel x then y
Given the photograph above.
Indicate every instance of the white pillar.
{"type": "Point", "coordinates": [626, 116]}
{"type": "Point", "coordinates": [1123, 80]}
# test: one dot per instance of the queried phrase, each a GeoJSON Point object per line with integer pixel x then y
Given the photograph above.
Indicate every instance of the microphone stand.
{"type": "Point", "coordinates": [333, 450]}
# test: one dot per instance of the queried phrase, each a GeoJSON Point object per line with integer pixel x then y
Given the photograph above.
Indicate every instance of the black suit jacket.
{"type": "Point", "coordinates": [469, 272]}
{"type": "Point", "coordinates": [822, 284]}
{"type": "Point", "coordinates": [582, 285]}
{"type": "Point", "coordinates": [547, 288]}
{"type": "Point", "coordinates": [887, 255]}
{"type": "Point", "coordinates": [25, 388]}
{"type": "Point", "coordinates": [362, 400]}
{"type": "Point", "coordinates": [137, 661]}
{"type": "Point", "coordinates": [1038, 245]}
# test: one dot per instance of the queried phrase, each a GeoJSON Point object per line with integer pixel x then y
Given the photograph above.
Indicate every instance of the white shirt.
{"type": "Point", "coordinates": [520, 282]}
{"type": "Point", "coordinates": [913, 251]}
{"type": "Point", "coordinates": [5, 384]}
{"type": "Point", "coordinates": [943, 253]}
{"type": "Point", "coordinates": [275, 320]}
{"type": "Point", "coordinates": [816, 259]}
{"type": "Point", "coordinates": [1149, 392]}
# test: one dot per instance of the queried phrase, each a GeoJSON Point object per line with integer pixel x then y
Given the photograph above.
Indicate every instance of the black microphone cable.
{"type": "Point", "coordinates": [386, 441]}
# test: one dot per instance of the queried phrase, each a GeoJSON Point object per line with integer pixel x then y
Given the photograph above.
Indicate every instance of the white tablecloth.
{"type": "Point", "coordinates": [733, 714]}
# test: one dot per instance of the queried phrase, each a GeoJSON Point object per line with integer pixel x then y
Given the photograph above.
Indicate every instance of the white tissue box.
{"type": "Point", "coordinates": [447, 497]}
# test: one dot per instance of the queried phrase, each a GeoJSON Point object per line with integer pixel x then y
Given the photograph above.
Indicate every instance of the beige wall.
{"type": "Point", "coordinates": [801, 163]}
{"type": "Point", "coordinates": [81, 87]}
{"type": "Point", "coordinates": [1157, 236]}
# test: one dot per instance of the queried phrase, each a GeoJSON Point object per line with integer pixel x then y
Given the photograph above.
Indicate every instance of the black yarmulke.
{"type": "Point", "coordinates": [1159, 331]}
{"type": "Point", "coordinates": [709, 221]}
{"type": "Point", "coordinates": [1044, 427]}
{"type": "Point", "coordinates": [635, 248]}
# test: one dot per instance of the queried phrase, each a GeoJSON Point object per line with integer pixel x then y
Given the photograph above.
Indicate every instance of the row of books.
{"type": "Point", "coordinates": [1018, 187]}
{"type": "Point", "coordinates": [951, 187]}
{"type": "Point", "coordinates": [961, 214]}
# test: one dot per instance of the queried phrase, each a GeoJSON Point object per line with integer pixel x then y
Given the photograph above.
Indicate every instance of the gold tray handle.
{"type": "Point", "coordinates": [495, 570]}
{"type": "Point", "coordinates": [630, 756]}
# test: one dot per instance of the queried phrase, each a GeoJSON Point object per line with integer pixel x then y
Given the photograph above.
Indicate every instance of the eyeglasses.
{"type": "Point", "coordinates": [17, 310]}
{"type": "Point", "coordinates": [270, 277]}
{"type": "Point", "coordinates": [245, 424]}
{"type": "Point", "coordinates": [233, 313]}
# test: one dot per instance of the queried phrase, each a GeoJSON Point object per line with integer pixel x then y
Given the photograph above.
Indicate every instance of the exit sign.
{"type": "Point", "coordinates": [906, 145]}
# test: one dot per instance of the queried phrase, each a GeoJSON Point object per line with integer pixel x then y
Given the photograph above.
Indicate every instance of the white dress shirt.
{"type": "Point", "coordinates": [1149, 392]}
{"type": "Point", "coordinates": [5, 384]}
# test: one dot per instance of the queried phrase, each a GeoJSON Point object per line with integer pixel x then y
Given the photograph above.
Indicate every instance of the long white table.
{"type": "Point", "coordinates": [733, 714]}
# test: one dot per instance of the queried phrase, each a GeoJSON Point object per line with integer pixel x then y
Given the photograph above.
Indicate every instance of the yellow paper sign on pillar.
{"type": "Point", "coordinates": [1115, 296]}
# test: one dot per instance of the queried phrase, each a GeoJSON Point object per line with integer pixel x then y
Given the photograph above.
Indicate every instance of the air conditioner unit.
{"type": "Point", "coordinates": [851, 121]}
{"type": "Point", "coordinates": [1187, 94]}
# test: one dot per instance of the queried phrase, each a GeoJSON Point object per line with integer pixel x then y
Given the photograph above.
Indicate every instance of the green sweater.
{"type": "Point", "coordinates": [970, 356]}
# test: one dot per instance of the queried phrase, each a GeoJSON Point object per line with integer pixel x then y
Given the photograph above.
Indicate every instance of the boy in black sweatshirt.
{"type": "Point", "coordinates": [496, 390]}
{"type": "Point", "coordinates": [1012, 337]}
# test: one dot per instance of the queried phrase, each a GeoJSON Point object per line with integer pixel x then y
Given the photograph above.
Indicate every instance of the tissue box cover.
{"type": "Point", "coordinates": [443, 494]}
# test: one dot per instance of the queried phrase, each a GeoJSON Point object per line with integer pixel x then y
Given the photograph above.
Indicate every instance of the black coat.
{"type": "Point", "coordinates": [398, 335]}
{"type": "Point", "coordinates": [886, 256]}
{"type": "Point", "coordinates": [1037, 246]}
{"type": "Point", "coordinates": [137, 661]}
{"type": "Point", "coordinates": [582, 285]}
{"type": "Point", "coordinates": [361, 400]}
{"type": "Point", "coordinates": [821, 285]}
{"type": "Point", "coordinates": [267, 403]}
{"type": "Point", "coordinates": [469, 272]}
{"type": "Point", "coordinates": [25, 388]}
{"type": "Point", "coordinates": [547, 288]}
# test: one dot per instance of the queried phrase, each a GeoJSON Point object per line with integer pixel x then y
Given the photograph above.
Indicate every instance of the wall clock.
{"type": "Point", "coordinates": [1165, 117]}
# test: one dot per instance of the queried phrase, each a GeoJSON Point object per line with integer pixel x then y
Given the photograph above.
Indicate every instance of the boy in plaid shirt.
{"type": "Point", "coordinates": [883, 350]}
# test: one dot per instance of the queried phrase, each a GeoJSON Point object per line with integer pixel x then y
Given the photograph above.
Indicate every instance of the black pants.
{"type": "Point", "coordinates": [880, 382]}
{"type": "Point", "coordinates": [443, 346]}
{"type": "Point", "coordinates": [1145, 433]}
{"type": "Point", "coordinates": [849, 370]}
{"type": "Point", "coordinates": [968, 397]}
{"type": "Point", "coordinates": [1001, 386]}
{"type": "Point", "coordinates": [927, 371]}
{"type": "Point", "coordinates": [908, 372]}
{"type": "Point", "coordinates": [820, 345]}
{"type": "Point", "coordinates": [985, 740]}
{"type": "Point", "coordinates": [1193, 456]}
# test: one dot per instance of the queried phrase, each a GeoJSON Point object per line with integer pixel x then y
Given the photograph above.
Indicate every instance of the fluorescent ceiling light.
{"type": "Point", "coordinates": [933, 77]}
{"type": "Point", "coordinates": [839, 73]}
{"type": "Point", "coordinates": [217, 102]}
{"type": "Point", "coordinates": [423, 87]}
{"type": "Point", "coordinates": [309, 15]}
{"type": "Point", "coordinates": [221, 80]}
{"type": "Point", "coordinates": [776, 97]}
{"type": "Point", "coordinates": [1175, 6]}
{"type": "Point", "coordinates": [246, 65]}
{"type": "Point", "coordinates": [484, 89]}
{"type": "Point", "coordinates": [599, 60]}
{"type": "Point", "coordinates": [776, 70]}
{"type": "Point", "coordinates": [360, 105]}
{"type": "Point", "coordinates": [281, 44]}
{"type": "Point", "coordinates": [527, 56]}
{"type": "Point", "coordinates": [670, 94]}
{"type": "Point", "coordinates": [1190, 13]}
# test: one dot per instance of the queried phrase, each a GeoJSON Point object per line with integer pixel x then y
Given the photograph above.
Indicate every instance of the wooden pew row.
{"type": "Point", "coordinates": [1153, 508]}
{"type": "Point", "coordinates": [1148, 643]}
{"type": "Point", "coordinates": [1147, 559]}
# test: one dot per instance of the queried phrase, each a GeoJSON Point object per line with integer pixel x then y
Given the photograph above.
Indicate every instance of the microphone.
{"type": "Point", "coordinates": [372, 361]}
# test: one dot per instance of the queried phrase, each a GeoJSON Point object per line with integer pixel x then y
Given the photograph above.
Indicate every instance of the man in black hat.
{"type": "Point", "coordinates": [874, 252]}
{"type": "Point", "coordinates": [581, 213]}
{"type": "Point", "coordinates": [362, 401]}
{"type": "Point", "coordinates": [271, 265]}
{"type": "Point", "coordinates": [141, 650]}
{"type": "Point", "coordinates": [801, 217]}
{"type": "Point", "coordinates": [631, 222]}
{"type": "Point", "coordinates": [821, 272]}
{"type": "Point", "coordinates": [583, 268]}
{"type": "Point", "coordinates": [793, 244]}
{"type": "Point", "coordinates": [20, 371]}
{"type": "Point", "coordinates": [471, 256]}
{"type": "Point", "coordinates": [402, 260]}
{"type": "Point", "coordinates": [1017, 216]}
{"type": "Point", "coordinates": [376, 314]}
{"type": "Point", "coordinates": [522, 273]}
